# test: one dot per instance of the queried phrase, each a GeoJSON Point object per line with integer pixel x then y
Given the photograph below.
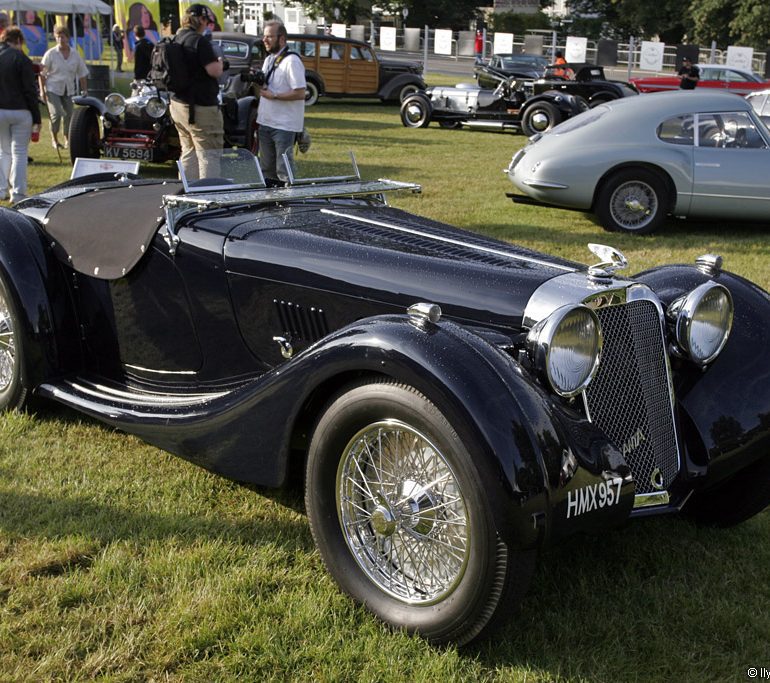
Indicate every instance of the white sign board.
{"type": "Point", "coordinates": [388, 38]}
{"type": "Point", "coordinates": [740, 57]}
{"type": "Point", "coordinates": [443, 42]}
{"type": "Point", "coordinates": [575, 52]}
{"type": "Point", "coordinates": [85, 167]}
{"type": "Point", "coordinates": [340, 30]}
{"type": "Point", "coordinates": [503, 43]}
{"type": "Point", "coordinates": [651, 55]}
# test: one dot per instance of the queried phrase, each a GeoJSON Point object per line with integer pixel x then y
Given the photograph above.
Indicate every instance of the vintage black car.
{"type": "Point", "coordinates": [510, 65]}
{"type": "Point", "coordinates": [139, 127]}
{"type": "Point", "coordinates": [456, 403]}
{"type": "Point", "coordinates": [585, 81]}
{"type": "Point", "coordinates": [513, 105]}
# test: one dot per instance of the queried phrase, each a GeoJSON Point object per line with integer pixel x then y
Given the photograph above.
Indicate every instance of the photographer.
{"type": "Point", "coordinates": [281, 113]}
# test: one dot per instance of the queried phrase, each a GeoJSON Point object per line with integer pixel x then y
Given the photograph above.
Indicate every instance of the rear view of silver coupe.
{"type": "Point", "coordinates": [633, 162]}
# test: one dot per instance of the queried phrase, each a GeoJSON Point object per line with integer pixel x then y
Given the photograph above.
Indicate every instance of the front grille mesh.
{"type": "Point", "coordinates": [629, 398]}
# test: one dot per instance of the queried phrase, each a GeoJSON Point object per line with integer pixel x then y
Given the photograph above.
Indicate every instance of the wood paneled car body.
{"type": "Point", "coordinates": [456, 403]}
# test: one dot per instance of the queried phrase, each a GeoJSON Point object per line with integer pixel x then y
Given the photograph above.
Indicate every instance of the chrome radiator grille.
{"type": "Point", "coordinates": [629, 398]}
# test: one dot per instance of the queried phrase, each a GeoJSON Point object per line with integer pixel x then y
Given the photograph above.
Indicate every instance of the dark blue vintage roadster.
{"type": "Point", "coordinates": [456, 403]}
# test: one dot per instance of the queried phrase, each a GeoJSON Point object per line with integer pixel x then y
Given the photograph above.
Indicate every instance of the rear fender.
{"type": "Point", "coordinates": [40, 293]}
{"type": "Point", "coordinates": [390, 89]}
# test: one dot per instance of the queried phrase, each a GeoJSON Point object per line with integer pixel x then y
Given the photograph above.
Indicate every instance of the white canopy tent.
{"type": "Point", "coordinates": [59, 6]}
{"type": "Point", "coordinates": [62, 7]}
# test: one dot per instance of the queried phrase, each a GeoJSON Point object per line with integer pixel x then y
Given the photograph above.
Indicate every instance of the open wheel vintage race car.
{"type": "Point", "coordinates": [512, 105]}
{"type": "Point", "coordinates": [139, 127]}
{"type": "Point", "coordinates": [456, 402]}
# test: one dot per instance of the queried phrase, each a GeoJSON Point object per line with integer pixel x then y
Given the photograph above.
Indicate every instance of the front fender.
{"type": "Point", "coordinates": [88, 101]}
{"type": "Point", "coordinates": [725, 431]}
{"type": "Point", "coordinates": [565, 103]}
{"type": "Point", "coordinates": [534, 454]}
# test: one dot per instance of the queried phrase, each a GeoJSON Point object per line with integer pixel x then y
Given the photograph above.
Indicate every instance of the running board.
{"type": "Point", "coordinates": [121, 404]}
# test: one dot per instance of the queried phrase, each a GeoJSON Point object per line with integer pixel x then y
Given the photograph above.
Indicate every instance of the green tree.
{"type": "Point", "coordinates": [751, 24]}
{"type": "Point", "coordinates": [711, 21]}
{"type": "Point", "coordinates": [620, 19]}
{"type": "Point", "coordinates": [349, 10]}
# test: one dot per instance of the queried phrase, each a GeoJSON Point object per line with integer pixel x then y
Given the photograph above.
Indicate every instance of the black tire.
{"type": "Point", "coordinates": [539, 118]}
{"type": "Point", "coordinates": [84, 136]}
{"type": "Point", "coordinates": [398, 512]}
{"type": "Point", "coordinates": [312, 93]}
{"type": "Point", "coordinates": [416, 111]}
{"type": "Point", "coordinates": [600, 100]}
{"type": "Point", "coordinates": [582, 103]}
{"type": "Point", "coordinates": [14, 381]}
{"type": "Point", "coordinates": [633, 200]}
{"type": "Point", "coordinates": [740, 498]}
{"type": "Point", "coordinates": [251, 135]}
{"type": "Point", "coordinates": [407, 91]}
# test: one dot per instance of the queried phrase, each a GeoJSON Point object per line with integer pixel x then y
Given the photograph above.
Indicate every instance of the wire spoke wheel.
{"type": "Point", "coordinates": [8, 359]}
{"type": "Point", "coordinates": [402, 513]}
{"type": "Point", "coordinates": [634, 204]}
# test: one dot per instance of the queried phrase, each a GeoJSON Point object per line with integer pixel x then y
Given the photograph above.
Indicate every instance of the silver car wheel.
{"type": "Point", "coordinates": [540, 122]}
{"type": "Point", "coordinates": [8, 358]}
{"type": "Point", "coordinates": [633, 205]}
{"type": "Point", "coordinates": [414, 113]}
{"type": "Point", "coordinates": [402, 513]}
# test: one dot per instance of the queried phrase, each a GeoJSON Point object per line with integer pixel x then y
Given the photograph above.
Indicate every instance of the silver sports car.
{"type": "Point", "coordinates": [635, 161]}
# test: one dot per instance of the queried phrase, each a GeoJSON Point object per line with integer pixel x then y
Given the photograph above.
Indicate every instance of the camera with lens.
{"type": "Point", "coordinates": [257, 77]}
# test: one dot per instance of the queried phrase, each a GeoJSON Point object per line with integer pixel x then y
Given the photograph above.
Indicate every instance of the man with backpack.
{"type": "Point", "coordinates": [281, 113]}
{"type": "Point", "coordinates": [191, 76]}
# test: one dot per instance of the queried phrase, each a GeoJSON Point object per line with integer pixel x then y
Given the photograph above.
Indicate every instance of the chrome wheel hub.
{"type": "Point", "coordinates": [633, 205]}
{"type": "Point", "coordinates": [414, 113]}
{"type": "Point", "coordinates": [7, 346]}
{"type": "Point", "coordinates": [402, 513]}
{"type": "Point", "coordinates": [540, 121]}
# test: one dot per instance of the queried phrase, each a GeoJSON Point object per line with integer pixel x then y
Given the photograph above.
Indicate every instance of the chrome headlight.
{"type": "Point", "coordinates": [115, 104]}
{"type": "Point", "coordinates": [565, 348]}
{"type": "Point", "coordinates": [702, 321]}
{"type": "Point", "coordinates": [155, 107]}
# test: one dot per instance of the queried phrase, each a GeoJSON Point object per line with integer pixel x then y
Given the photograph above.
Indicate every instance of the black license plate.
{"type": "Point", "coordinates": [133, 153]}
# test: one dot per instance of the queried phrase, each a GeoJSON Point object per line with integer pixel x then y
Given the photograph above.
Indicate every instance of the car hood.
{"type": "Point", "coordinates": [390, 259]}
{"type": "Point", "coordinates": [394, 66]}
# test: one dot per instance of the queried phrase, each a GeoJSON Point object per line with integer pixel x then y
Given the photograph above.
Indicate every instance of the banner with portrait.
{"type": "Point", "coordinates": [89, 38]}
{"type": "Point", "coordinates": [216, 7]}
{"type": "Point", "coordinates": [145, 14]}
{"type": "Point", "coordinates": [32, 25]}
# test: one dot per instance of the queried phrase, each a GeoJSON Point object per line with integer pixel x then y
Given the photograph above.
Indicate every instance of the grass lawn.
{"type": "Point", "coordinates": [119, 562]}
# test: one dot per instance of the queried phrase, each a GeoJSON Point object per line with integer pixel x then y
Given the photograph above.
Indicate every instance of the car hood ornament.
{"type": "Point", "coordinates": [612, 261]}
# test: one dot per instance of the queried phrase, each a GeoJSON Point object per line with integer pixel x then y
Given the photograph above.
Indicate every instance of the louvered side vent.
{"type": "Point", "coordinates": [307, 324]}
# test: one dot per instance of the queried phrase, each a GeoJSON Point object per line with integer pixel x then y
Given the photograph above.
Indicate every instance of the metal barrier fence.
{"type": "Point", "coordinates": [462, 45]}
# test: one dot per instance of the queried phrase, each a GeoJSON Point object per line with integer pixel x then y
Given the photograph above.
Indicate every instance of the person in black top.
{"type": "Point", "coordinates": [195, 112]}
{"type": "Point", "coordinates": [117, 43]}
{"type": "Point", "coordinates": [19, 113]}
{"type": "Point", "coordinates": [142, 54]}
{"type": "Point", "coordinates": [690, 74]}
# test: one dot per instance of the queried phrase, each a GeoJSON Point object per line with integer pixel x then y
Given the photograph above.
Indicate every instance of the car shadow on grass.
{"type": "Point", "coordinates": [660, 599]}
{"type": "Point", "coordinates": [26, 514]}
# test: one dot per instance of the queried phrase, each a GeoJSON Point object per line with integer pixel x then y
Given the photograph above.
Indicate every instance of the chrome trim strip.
{"type": "Point", "coordinates": [729, 196]}
{"type": "Point", "coordinates": [142, 398]}
{"type": "Point", "coordinates": [160, 372]}
{"type": "Point", "coordinates": [447, 240]}
{"type": "Point", "coordinates": [644, 500]}
{"type": "Point", "coordinates": [544, 184]}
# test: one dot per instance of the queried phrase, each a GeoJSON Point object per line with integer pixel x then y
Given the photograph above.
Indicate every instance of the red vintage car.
{"type": "Point", "coordinates": [737, 80]}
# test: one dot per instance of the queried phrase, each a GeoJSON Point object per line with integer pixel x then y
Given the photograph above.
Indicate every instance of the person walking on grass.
{"type": "Point", "coordinates": [19, 114]}
{"type": "Point", "coordinates": [63, 68]}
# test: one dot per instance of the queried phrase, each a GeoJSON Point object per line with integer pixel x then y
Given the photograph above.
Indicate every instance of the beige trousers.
{"type": "Point", "coordinates": [201, 141]}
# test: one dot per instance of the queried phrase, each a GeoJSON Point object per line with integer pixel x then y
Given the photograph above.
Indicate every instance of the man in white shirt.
{"type": "Point", "coordinates": [281, 113]}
